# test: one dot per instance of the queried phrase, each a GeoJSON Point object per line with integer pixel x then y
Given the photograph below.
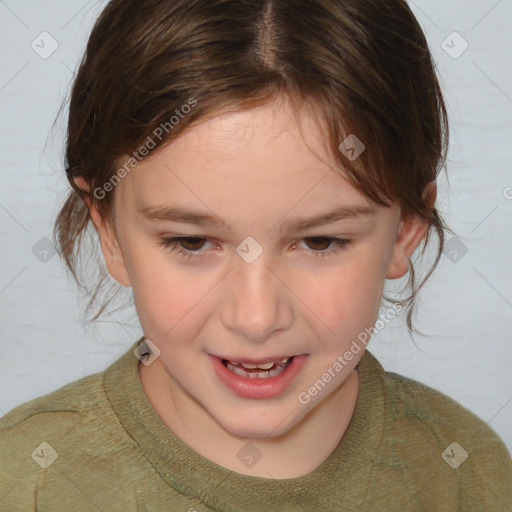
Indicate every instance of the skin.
{"type": "Point", "coordinates": [255, 170]}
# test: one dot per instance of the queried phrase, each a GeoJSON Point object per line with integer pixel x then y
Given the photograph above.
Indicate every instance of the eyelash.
{"type": "Point", "coordinates": [172, 244]}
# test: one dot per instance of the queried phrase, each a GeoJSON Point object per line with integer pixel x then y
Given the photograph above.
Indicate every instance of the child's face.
{"type": "Point", "coordinates": [254, 170]}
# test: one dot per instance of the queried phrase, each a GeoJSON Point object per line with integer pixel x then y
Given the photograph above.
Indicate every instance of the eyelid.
{"type": "Point", "coordinates": [172, 243]}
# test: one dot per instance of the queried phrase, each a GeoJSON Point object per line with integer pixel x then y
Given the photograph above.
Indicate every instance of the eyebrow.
{"type": "Point", "coordinates": [185, 215]}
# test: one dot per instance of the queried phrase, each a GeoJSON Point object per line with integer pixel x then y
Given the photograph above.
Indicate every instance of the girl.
{"type": "Point", "coordinates": [255, 171]}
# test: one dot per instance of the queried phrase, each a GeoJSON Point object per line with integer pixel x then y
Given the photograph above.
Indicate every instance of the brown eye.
{"type": "Point", "coordinates": [317, 244]}
{"type": "Point", "coordinates": [186, 246]}
{"type": "Point", "coordinates": [325, 246]}
{"type": "Point", "coordinates": [191, 243]}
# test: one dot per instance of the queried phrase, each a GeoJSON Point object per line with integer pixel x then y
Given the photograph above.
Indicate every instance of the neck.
{"type": "Point", "coordinates": [298, 452]}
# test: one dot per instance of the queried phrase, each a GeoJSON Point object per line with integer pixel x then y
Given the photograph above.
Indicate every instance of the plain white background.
{"type": "Point", "coordinates": [466, 308]}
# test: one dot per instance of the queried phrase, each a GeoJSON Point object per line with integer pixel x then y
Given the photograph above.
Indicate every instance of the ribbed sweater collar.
{"type": "Point", "coordinates": [342, 479]}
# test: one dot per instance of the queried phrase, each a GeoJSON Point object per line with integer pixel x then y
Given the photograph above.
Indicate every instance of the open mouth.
{"type": "Point", "coordinates": [258, 371]}
{"type": "Point", "coordinates": [258, 379]}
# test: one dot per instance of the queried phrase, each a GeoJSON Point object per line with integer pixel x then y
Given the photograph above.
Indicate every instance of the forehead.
{"type": "Point", "coordinates": [248, 162]}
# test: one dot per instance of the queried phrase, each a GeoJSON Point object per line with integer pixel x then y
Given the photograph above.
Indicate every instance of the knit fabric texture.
{"type": "Point", "coordinates": [97, 445]}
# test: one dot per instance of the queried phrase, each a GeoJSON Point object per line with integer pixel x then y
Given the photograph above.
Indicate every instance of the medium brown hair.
{"type": "Point", "coordinates": [363, 67]}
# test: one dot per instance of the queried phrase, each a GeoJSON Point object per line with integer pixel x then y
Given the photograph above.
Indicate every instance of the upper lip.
{"type": "Point", "coordinates": [261, 360]}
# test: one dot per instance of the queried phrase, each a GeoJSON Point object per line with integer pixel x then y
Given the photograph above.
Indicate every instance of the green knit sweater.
{"type": "Point", "coordinates": [97, 445]}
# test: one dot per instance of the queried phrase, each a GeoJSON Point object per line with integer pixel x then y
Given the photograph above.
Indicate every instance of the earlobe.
{"type": "Point", "coordinates": [412, 230]}
{"type": "Point", "coordinates": [114, 259]}
{"type": "Point", "coordinates": [112, 253]}
{"type": "Point", "coordinates": [411, 233]}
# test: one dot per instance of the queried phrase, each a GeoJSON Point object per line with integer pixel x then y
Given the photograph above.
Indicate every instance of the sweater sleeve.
{"type": "Point", "coordinates": [459, 463]}
{"type": "Point", "coordinates": [488, 485]}
{"type": "Point", "coordinates": [22, 465]}
{"type": "Point", "coordinates": [42, 440]}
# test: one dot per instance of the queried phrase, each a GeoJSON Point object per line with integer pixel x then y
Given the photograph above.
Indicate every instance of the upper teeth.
{"type": "Point", "coordinates": [263, 366]}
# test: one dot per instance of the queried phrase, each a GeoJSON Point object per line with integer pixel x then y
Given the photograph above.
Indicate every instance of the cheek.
{"type": "Point", "coordinates": [347, 298]}
{"type": "Point", "coordinates": [165, 295]}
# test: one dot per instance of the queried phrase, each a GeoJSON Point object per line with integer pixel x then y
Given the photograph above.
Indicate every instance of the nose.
{"type": "Point", "coordinates": [257, 301]}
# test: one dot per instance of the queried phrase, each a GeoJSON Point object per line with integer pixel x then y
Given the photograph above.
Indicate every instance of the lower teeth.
{"type": "Point", "coordinates": [264, 374]}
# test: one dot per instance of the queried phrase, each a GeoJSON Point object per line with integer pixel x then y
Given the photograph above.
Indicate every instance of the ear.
{"type": "Point", "coordinates": [412, 230]}
{"type": "Point", "coordinates": [112, 253]}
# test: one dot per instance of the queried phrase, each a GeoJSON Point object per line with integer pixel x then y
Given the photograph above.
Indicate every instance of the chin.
{"type": "Point", "coordinates": [254, 425]}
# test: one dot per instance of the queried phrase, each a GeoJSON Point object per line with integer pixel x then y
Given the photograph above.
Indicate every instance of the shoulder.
{"type": "Point", "coordinates": [74, 424]}
{"type": "Point", "coordinates": [439, 415]}
{"type": "Point", "coordinates": [449, 443]}
{"type": "Point", "coordinates": [54, 411]}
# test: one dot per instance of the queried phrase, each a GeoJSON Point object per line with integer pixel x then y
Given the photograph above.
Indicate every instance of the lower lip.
{"type": "Point", "coordinates": [258, 388]}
